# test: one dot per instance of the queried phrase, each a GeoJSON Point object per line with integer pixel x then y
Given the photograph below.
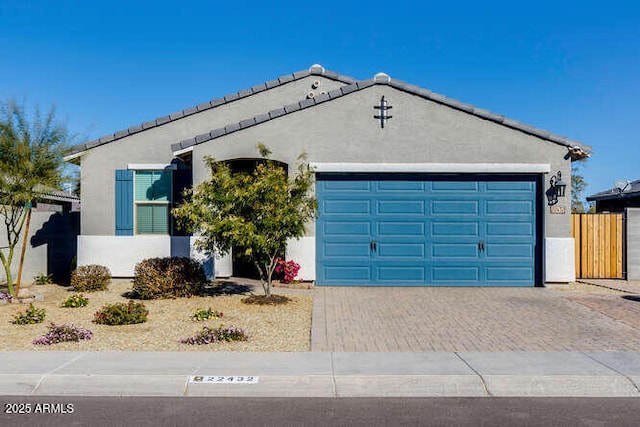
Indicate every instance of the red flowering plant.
{"type": "Point", "coordinates": [287, 269]}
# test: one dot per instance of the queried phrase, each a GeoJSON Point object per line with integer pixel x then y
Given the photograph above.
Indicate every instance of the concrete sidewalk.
{"type": "Point", "coordinates": [466, 374]}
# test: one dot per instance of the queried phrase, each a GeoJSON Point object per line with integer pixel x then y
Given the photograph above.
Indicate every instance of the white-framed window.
{"type": "Point", "coordinates": [152, 201]}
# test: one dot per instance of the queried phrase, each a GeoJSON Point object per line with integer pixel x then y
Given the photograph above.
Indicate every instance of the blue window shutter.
{"type": "Point", "coordinates": [124, 202]}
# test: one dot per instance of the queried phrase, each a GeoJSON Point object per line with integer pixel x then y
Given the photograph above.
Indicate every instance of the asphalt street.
{"type": "Point", "coordinates": [159, 411]}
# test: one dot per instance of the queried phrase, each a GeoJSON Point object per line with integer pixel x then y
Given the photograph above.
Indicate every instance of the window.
{"type": "Point", "coordinates": [152, 201]}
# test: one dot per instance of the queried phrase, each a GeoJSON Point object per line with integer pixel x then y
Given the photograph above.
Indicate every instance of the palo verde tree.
{"type": "Point", "coordinates": [256, 211]}
{"type": "Point", "coordinates": [31, 159]}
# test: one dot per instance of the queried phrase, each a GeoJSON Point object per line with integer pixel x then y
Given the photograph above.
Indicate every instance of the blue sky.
{"type": "Point", "coordinates": [571, 67]}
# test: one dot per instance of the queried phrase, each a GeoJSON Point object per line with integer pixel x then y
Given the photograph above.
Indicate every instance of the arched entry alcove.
{"type": "Point", "coordinates": [242, 266]}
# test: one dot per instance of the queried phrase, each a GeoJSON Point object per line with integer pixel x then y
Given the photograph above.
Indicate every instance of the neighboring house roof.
{"type": "Point", "coordinates": [314, 70]}
{"type": "Point", "coordinates": [632, 190]}
{"type": "Point", "coordinates": [576, 149]}
{"type": "Point", "coordinates": [57, 196]}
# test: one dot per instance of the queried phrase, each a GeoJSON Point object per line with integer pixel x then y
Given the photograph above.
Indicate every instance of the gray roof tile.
{"type": "Point", "coordinates": [247, 123]}
{"type": "Point", "coordinates": [121, 133]}
{"type": "Point", "coordinates": [217, 101]}
{"type": "Point", "coordinates": [245, 92]}
{"type": "Point", "coordinates": [307, 102]}
{"type": "Point", "coordinates": [204, 106]}
{"type": "Point", "coordinates": [321, 98]}
{"type": "Point", "coordinates": [231, 97]}
{"type": "Point", "coordinates": [189, 111]}
{"type": "Point", "coordinates": [272, 83]}
{"type": "Point", "coordinates": [262, 118]}
{"type": "Point", "coordinates": [365, 83]}
{"type": "Point", "coordinates": [135, 129]}
{"type": "Point", "coordinates": [291, 108]}
{"type": "Point", "coordinates": [300, 74]}
{"type": "Point", "coordinates": [348, 89]}
{"type": "Point", "coordinates": [286, 79]}
{"type": "Point", "coordinates": [276, 113]}
{"type": "Point", "coordinates": [217, 132]}
{"type": "Point", "coordinates": [162, 120]}
{"type": "Point", "coordinates": [150, 124]}
{"type": "Point", "coordinates": [232, 127]}
{"type": "Point", "coordinates": [104, 139]}
{"type": "Point", "coordinates": [259, 88]}
{"type": "Point", "coordinates": [203, 137]}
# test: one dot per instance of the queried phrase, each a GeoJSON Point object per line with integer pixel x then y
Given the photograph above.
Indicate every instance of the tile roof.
{"type": "Point", "coordinates": [633, 190]}
{"type": "Point", "coordinates": [314, 70]}
{"type": "Point", "coordinates": [383, 79]}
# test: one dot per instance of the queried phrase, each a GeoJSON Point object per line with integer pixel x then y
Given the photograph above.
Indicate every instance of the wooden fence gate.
{"type": "Point", "coordinates": [599, 245]}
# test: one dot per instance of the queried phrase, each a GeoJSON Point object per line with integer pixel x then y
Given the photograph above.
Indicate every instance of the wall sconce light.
{"type": "Point", "coordinates": [557, 188]}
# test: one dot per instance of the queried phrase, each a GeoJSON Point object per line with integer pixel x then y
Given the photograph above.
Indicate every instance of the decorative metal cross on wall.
{"type": "Point", "coordinates": [383, 107]}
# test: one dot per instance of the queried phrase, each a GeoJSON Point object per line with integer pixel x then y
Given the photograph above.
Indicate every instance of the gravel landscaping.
{"type": "Point", "coordinates": [270, 328]}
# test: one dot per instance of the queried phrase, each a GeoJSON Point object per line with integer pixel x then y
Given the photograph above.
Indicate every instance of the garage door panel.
{"type": "Point", "coordinates": [452, 207]}
{"type": "Point", "coordinates": [401, 274]}
{"type": "Point", "coordinates": [404, 207]}
{"type": "Point", "coordinates": [454, 251]}
{"type": "Point", "coordinates": [455, 274]}
{"type": "Point", "coordinates": [454, 186]}
{"type": "Point", "coordinates": [510, 207]}
{"type": "Point", "coordinates": [400, 250]}
{"type": "Point", "coordinates": [347, 207]}
{"type": "Point", "coordinates": [361, 274]}
{"type": "Point", "coordinates": [395, 186]}
{"type": "Point", "coordinates": [393, 229]}
{"type": "Point", "coordinates": [455, 229]}
{"type": "Point", "coordinates": [512, 275]}
{"type": "Point", "coordinates": [347, 228]}
{"type": "Point", "coordinates": [511, 187]}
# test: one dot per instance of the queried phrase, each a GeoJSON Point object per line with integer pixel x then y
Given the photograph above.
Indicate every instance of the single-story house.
{"type": "Point", "coordinates": [414, 188]}
{"type": "Point", "coordinates": [626, 194]}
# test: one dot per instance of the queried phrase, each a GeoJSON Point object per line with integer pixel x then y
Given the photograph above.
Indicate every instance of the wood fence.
{"type": "Point", "coordinates": [599, 245]}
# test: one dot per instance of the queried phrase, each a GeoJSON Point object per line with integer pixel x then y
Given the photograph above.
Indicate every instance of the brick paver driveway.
{"type": "Point", "coordinates": [468, 319]}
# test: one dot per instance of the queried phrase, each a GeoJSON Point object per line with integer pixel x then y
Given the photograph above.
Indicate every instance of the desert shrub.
{"type": "Point", "coordinates": [266, 300]}
{"type": "Point", "coordinates": [202, 314]}
{"type": "Point", "coordinates": [61, 333]}
{"type": "Point", "coordinates": [211, 335]}
{"type": "Point", "coordinates": [168, 278]}
{"type": "Point", "coordinates": [30, 316]}
{"type": "Point", "coordinates": [122, 313]}
{"type": "Point", "coordinates": [77, 300]}
{"type": "Point", "coordinates": [43, 279]}
{"type": "Point", "coordinates": [89, 278]}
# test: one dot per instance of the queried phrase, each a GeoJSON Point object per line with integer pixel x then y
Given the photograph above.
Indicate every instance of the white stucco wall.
{"type": "Point", "coordinates": [121, 253]}
{"type": "Point", "coordinates": [559, 260]}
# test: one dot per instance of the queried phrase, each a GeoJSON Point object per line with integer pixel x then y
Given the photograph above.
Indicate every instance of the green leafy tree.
{"type": "Point", "coordinates": [256, 212]}
{"type": "Point", "coordinates": [31, 159]}
{"type": "Point", "coordinates": [578, 185]}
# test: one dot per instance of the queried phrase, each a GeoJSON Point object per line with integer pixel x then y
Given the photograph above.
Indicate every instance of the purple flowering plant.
{"type": "Point", "coordinates": [62, 333]}
{"type": "Point", "coordinates": [212, 335]}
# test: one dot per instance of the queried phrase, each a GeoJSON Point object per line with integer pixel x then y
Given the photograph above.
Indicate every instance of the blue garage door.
{"type": "Point", "coordinates": [424, 230]}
